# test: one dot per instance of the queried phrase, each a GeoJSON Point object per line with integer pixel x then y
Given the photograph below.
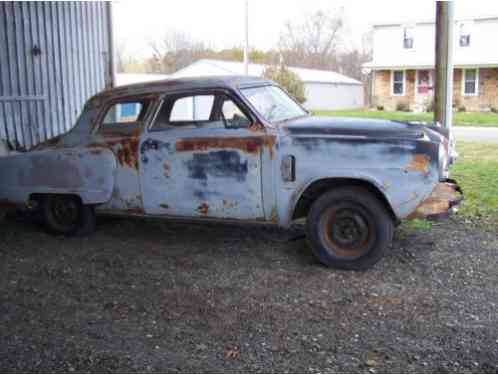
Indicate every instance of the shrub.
{"type": "Point", "coordinates": [380, 108]}
{"type": "Point", "coordinates": [462, 109]}
{"type": "Point", "coordinates": [402, 107]}
{"type": "Point", "coordinates": [288, 80]}
{"type": "Point", "coordinates": [429, 106]}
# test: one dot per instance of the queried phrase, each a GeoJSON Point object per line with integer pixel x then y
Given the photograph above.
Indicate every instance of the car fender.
{"type": "Point", "coordinates": [361, 176]}
{"type": "Point", "coordinates": [83, 171]}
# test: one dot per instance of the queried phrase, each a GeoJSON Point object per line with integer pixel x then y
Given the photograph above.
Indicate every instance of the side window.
{"type": "Point", "coordinates": [200, 110]}
{"type": "Point", "coordinates": [192, 109]}
{"type": "Point", "coordinates": [233, 116]}
{"type": "Point", "coordinates": [125, 113]}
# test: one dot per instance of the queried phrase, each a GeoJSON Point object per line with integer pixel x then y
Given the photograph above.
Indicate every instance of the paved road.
{"type": "Point", "coordinates": [476, 134]}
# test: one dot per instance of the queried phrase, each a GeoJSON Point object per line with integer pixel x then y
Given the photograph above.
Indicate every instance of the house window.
{"type": "Point", "coordinates": [398, 82]}
{"type": "Point", "coordinates": [464, 34]}
{"type": "Point", "coordinates": [470, 81]}
{"type": "Point", "coordinates": [408, 36]}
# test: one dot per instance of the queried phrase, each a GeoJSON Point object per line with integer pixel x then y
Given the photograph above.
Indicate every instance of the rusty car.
{"type": "Point", "coordinates": [240, 149]}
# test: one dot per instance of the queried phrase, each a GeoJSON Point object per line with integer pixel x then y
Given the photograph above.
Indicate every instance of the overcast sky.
{"type": "Point", "coordinates": [219, 23]}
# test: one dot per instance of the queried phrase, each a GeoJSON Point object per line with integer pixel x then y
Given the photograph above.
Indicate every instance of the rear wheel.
{"type": "Point", "coordinates": [66, 215]}
{"type": "Point", "coordinates": [349, 228]}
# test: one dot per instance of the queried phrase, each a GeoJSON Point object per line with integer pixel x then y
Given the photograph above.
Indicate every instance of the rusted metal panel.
{"type": "Point", "coordinates": [214, 172]}
{"type": "Point", "coordinates": [443, 198]}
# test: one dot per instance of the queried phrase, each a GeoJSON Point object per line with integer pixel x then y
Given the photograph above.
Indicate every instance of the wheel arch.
{"type": "Point", "coordinates": [314, 189]}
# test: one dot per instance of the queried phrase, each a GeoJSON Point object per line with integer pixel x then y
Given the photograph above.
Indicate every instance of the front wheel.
{"type": "Point", "coordinates": [66, 215]}
{"type": "Point", "coordinates": [349, 228]}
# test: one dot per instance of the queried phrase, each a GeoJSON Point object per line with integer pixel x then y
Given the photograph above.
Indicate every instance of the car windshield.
{"type": "Point", "coordinates": [273, 103]}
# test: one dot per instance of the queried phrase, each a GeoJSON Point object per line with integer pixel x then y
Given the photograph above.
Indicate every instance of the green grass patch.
{"type": "Point", "coordinates": [476, 171]}
{"type": "Point", "coordinates": [420, 224]}
{"type": "Point", "coordinates": [489, 119]}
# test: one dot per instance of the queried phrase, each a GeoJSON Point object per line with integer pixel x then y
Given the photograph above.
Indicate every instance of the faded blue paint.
{"type": "Point", "coordinates": [220, 173]}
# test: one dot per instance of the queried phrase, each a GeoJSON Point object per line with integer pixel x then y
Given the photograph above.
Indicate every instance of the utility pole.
{"type": "Point", "coordinates": [246, 44]}
{"type": "Point", "coordinates": [443, 98]}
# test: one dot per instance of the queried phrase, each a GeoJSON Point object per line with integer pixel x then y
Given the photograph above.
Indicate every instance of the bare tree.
{"type": "Point", "coordinates": [175, 51]}
{"type": "Point", "coordinates": [313, 42]}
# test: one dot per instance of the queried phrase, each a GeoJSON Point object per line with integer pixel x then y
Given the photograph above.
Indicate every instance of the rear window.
{"type": "Point", "coordinates": [126, 112]}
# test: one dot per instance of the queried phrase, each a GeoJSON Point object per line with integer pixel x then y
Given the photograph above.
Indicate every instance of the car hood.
{"type": "Point", "coordinates": [361, 127]}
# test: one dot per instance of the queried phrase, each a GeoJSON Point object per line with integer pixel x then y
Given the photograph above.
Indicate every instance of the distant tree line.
{"type": "Point", "coordinates": [314, 42]}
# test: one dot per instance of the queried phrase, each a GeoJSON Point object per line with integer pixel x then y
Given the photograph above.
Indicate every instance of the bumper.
{"type": "Point", "coordinates": [444, 200]}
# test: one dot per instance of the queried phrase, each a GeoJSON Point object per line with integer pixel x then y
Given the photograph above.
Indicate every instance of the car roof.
{"type": "Point", "coordinates": [187, 83]}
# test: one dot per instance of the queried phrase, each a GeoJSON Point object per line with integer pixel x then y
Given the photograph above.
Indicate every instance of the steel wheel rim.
{"type": "Point", "coordinates": [347, 230]}
{"type": "Point", "coordinates": [65, 211]}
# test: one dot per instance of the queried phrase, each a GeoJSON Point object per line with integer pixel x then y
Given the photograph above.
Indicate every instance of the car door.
{"type": "Point", "coordinates": [199, 159]}
{"type": "Point", "coordinates": [119, 130]}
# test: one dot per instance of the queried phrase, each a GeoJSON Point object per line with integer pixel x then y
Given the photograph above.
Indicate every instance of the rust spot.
{"type": "Point", "coordinates": [247, 144]}
{"type": "Point", "coordinates": [116, 133]}
{"type": "Point", "coordinates": [256, 127]}
{"type": "Point", "coordinates": [166, 169]}
{"type": "Point", "coordinates": [126, 151]}
{"type": "Point", "coordinates": [203, 209]}
{"type": "Point", "coordinates": [269, 142]}
{"type": "Point", "coordinates": [274, 215]}
{"type": "Point", "coordinates": [419, 163]}
{"type": "Point", "coordinates": [251, 145]}
{"type": "Point", "coordinates": [443, 197]}
{"type": "Point", "coordinates": [164, 205]}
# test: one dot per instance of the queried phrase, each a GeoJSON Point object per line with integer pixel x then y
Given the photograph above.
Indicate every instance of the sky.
{"type": "Point", "coordinates": [220, 23]}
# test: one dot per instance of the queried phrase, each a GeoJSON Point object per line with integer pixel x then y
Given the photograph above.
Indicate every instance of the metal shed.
{"type": "Point", "coordinates": [54, 55]}
{"type": "Point", "coordinates": [324, 90]}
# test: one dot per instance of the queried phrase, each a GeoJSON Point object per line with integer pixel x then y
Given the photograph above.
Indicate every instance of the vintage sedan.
{"type": "Point", "coordinates": [236, 149]}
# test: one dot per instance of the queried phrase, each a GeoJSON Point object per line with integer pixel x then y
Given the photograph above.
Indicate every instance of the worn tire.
{"type": "Point", "coordinates": [349, 228]}
{"type": "Point", "coordinates": [80, 218]}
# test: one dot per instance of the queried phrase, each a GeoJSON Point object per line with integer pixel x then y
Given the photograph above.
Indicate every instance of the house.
{"type": "Point", "coordinates": [404, 58]}
{"type": "Point", "coordinates": [324, 90]}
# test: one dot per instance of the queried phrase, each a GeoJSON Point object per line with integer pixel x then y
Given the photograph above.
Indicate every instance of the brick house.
{"type": "Point", "coordinates": [403, 65]}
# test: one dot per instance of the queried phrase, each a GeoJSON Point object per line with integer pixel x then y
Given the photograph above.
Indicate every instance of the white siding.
{"type": "Point", "coordinates": [388, 48]}
{"type": "Point", "coordinates": [330, 96]}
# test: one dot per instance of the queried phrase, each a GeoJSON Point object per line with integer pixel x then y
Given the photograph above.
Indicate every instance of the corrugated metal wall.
{"type": "Point", "coordinates": [53, 56]}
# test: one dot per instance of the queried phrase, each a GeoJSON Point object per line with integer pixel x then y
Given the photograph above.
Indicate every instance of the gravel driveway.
{"type": "Point", "coordinates": [154, 296]}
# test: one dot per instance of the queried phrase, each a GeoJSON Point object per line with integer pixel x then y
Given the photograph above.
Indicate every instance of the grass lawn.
{"type": "Point", "coordinates": [459, 118]}
{"type": "Point", "coordinates": [477, 173]}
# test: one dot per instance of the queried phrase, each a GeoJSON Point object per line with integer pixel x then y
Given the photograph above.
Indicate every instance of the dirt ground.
{"type": "Point", "coordinates": [162, 297]}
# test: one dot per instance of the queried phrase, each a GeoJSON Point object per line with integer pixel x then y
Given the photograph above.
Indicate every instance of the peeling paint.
{"type": "Point", "coordinates": [419, 163]}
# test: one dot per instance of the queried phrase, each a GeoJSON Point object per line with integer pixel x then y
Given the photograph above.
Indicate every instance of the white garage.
{"type": "Point", "coordinates": [325, 90]}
